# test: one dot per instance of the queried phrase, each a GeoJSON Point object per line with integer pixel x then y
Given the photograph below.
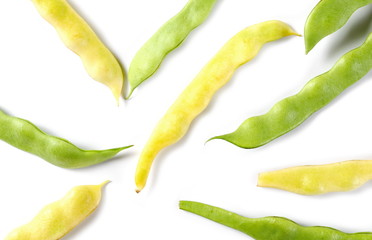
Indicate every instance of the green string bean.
{"type": "Point", "coordinates": [292, 111]}
{"type": "Point", "coordinates": [171, 35]}
{"type": "Point", "coordinates": [269, 228]}
{"type": "Point", "coordinates": [327, 17]}
{"type": "Point", "coordinates": [24, 135]}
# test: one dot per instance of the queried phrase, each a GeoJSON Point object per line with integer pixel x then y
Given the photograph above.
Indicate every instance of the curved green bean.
{"type": "Point", "coordinates": [292, 111]}
{"type": "Point", "coordinates": [327, 17]}
{"type": "Point", "coordinates": [171, 35]}
{"type": "Point", "coordinates": [269, 228]}
{"type": "Point", "coordinates": [24, 135]}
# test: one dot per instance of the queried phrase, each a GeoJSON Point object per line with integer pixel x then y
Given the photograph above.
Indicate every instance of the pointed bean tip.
{"type": "Point", "coordinates": [220, 137]}
{"type": "Point", "coordinates": [212, 138]}
{"type": "Point", "coordinates": [125, 147]}
{"type": "Point", "coordinates": [129, 94]}
{"type": "Point", "coordinates": [139, 188]}
{"type": "Point", "coordinates": [291, 31]}
{"type": "Point", "coordinates": [116, 96]}
{"type": "Point", "coordinates": [104, 183]}
{"type": "Point", "coordinates": [131, 88]}
{"type": "Point", "coordinates": [308, 47]}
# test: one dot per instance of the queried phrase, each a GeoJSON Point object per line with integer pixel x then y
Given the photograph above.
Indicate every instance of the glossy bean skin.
{"type": "Point", "coordinates": [290, 112]}
{"type": "Point", "coordinates": [327, 17]}
{"type": "Point", "coordinates": [24, 135]}
{"type": "Point", "coordinates": [171, 35]}
{"type": "Point", "coordinates": [269, 228]}
{"type": "Point", "coordinates": [195, 98]}
{"type": "Point", "coordinates": [319, 179]}
{"type": "Point", "coordinates": [57, 219]}
{"type": "Point", "coordinates": [78, 36]}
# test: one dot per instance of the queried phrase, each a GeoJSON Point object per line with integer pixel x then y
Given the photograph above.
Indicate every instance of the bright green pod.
{"type": "Point", "coordinates": [24, 135]}
{"type": "Point", "coordinates": [269, 228]}
{"type": "Point", "coordinates": [327, 17]}
{"type": "Point", "coordinates": [148, 59]}
{"type": "Point", "coordinates": [290, 112]}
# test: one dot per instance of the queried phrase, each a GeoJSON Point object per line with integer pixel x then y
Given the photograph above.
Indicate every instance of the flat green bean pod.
{"type": "Point", "coordinates": [292, 111]}
{"type": "Point", "coordinates": [24, 135]}
{"type": "Point", "coordinates": [148, 59]}
{"type": "Point", "coordinates": [327, 17]}
{"type": "Point", "coordinates": [269, 228]}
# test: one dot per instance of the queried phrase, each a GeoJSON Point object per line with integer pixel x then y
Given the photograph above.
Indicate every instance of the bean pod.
{"type": "Point", "coordinates": [269, 228]}
{"type": "Point", "coordinates": [195, 98]}
{"type": "Point", "coordinates": [24, 135]}
{"type": "Point", "coordinates": [57, 219]}
{"type": "Point", "coordinates": [319, 179]}
{"type": "Point", "coordinates": [327, 17]}
{"type": "Point", "coordinates": [78, 36]}
{"type": "Point", "coordinates": [317, 93]}
{"type": "Point", "coordinates": [171, 35]}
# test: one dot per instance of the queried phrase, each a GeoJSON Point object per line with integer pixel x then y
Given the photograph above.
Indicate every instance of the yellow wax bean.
{"type": "Point", "coordinates": [195, 98]}
{"type": "Point", "coordinates": [77, 35]}
{"type": "Point", "coordinates": [319, 179]}
{"type": "Point", "coordinates": [57, 219]}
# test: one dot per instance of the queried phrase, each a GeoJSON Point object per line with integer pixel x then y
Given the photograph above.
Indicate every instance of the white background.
{"type": "Point", "coordinates": [44, 82]}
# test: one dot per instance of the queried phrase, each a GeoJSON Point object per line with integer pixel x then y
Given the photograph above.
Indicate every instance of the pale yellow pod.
{"type": "Point", "coordinates": [319, 179]}
{"type": "Point", "coordinates": [78, 36]}
{"type": "Point", "coordinates": [195, 98]}
{"type": "Point", "coordinates": [57, 219]}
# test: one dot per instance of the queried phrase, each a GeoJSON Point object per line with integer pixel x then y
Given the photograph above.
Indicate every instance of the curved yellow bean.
{"type": "Point", "coordinates": [319, 179]}
{"type": "Point", "coordinates": [57, 219]}
{"type": "Point", "coordinates": [76, 34]}
{"type": "Point", "coordinates": [173, 126]}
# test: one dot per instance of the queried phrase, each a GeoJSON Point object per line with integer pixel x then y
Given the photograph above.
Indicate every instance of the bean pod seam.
{"type": "Point", "coordinates": [24, 135]}
{"type": "Point", "coordinates": [290, 112]}
{"type": "Point", "coordinates": [269, 228]}
{"type": "Point", "coordinates": [327, 17]}
{"type": "Point", "coordinates": [171, 35]}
